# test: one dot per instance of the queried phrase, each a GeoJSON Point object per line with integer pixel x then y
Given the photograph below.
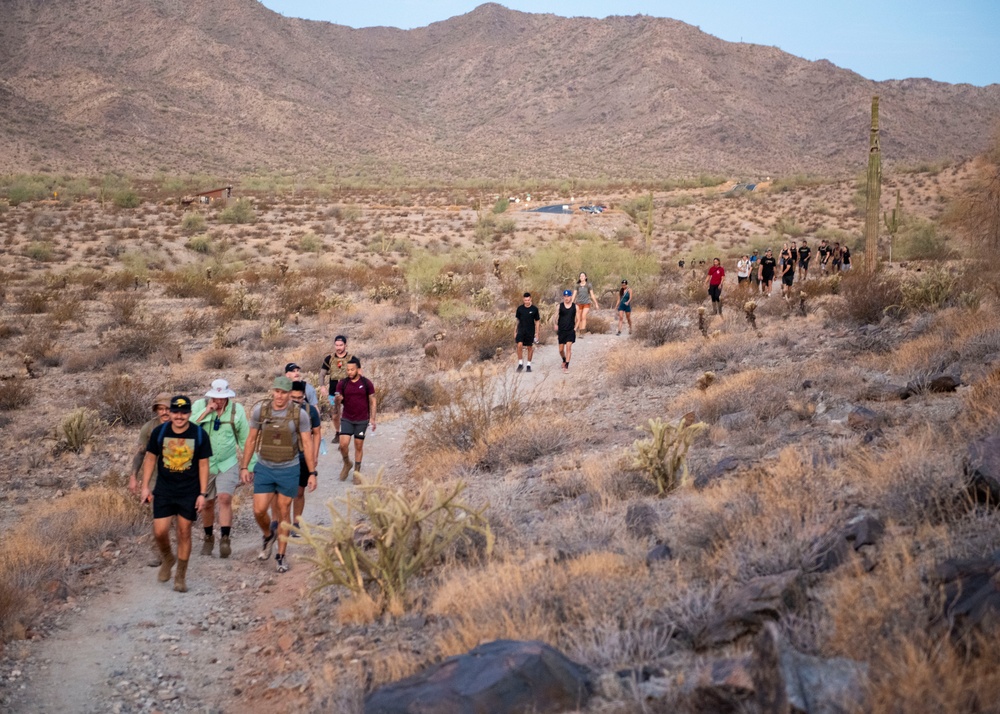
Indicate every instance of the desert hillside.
{"type": "Point", "coordinates": [232, 88]}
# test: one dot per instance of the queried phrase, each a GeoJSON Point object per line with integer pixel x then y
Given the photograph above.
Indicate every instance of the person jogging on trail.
{"type": "Point", "coordinates": [299, 397]}
{"type": "Point", "coordinates": [625, 306]}
{"type": "Point", "coordinates": [714, 279]}
{"type": "Point", "coordinates": [358, 414]}
{"type": "Point", "coordinates": [528, 320]}
{"type": "Point", "coordinates": [179, 451]}
{"type": "Point", "coordinates": [225, 422]}
{"type": "Point", "coordinates": [564, 324]}
{"type": "Point", "coordinates": [279, 429]}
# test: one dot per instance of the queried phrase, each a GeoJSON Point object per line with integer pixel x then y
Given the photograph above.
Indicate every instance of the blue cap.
{"type": "Point", "coordinates": [567, 292]}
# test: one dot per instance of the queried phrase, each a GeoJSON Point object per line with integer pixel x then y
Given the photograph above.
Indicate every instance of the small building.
{"type": "Point", "coordinates": [216, 194]}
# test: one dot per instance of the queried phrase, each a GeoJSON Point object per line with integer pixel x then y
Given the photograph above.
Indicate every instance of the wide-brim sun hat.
{"type": "Point", "coordinates": [220, 390]}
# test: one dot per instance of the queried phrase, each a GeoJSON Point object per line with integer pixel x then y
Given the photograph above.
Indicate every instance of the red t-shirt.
{"type": "Point", "coordinates": [716, 274]}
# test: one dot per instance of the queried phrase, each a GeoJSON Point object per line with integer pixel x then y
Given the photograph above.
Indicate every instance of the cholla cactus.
{"type": "Point", "coordinates": [749, 309]}
{"type": "Point", "coordinates": [702, 322]}
{"type": "Point", "coordinates": [664, 456]}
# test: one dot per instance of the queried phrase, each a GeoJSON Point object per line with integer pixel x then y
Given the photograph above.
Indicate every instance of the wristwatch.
{"type": "Point", "coordinates": [204, 495]}
{"type": "Point", "coordinates": [314, 473]}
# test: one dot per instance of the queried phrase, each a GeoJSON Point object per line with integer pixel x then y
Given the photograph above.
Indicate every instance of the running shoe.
{"type": "Point", "coordinates": [265, 550]}
{"type": "Point", "coordinates": [282, 563]}
{"type": "Point", "coordinates": [528, 368]}
{"type": "Point", "coordinates": [295, 533]}
{"type": "Point", "coordinates": [520, 367]}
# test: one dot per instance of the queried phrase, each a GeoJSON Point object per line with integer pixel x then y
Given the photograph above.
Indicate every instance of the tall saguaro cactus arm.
{"type": "Point", "coordinates": [873, 194]}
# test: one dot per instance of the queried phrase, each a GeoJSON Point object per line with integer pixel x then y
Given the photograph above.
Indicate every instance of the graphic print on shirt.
{"type": "Point", "coordinates": [178, 454]}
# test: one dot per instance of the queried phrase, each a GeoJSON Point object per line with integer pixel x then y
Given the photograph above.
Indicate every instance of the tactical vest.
{"type": "Point", "coordinates": [277, 441]}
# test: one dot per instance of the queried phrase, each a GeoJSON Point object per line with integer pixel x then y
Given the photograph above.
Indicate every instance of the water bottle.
{"type": "Point", "coordinates": [322, 447]}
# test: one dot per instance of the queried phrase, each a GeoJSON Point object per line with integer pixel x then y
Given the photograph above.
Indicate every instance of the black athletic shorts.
{"type": "Point", "coordinates": [525, 338]}
{"type": "Point", "coordinates": [356, 429]}
{"type": "Point", "coordinates": [566, 336]}
{"type": "Point", "coordinates": [167, 505]}
{"type": "Point", "coordinates": [788, 278]}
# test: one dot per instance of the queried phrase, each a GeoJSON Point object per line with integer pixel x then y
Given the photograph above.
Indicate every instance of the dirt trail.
{"type": "Point", "coordinates": [137, 646]}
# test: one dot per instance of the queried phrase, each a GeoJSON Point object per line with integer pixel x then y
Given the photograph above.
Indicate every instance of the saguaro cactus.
{"type": "Point", "coordinates": [893, 221]}
{"type": "Point", "coordinates": [873, 193]}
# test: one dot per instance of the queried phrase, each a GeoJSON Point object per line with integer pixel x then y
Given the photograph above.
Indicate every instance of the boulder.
{"type": "Point", "coordinates": [982, 470]}
{"type": "Point", "coordinates": [861, 530]}
{"type": "Point", "coordinates": [716, 472]}
{"type": "Point", "coordinates": [500, 677]}
{"type": "Point", "coordinates": [641, 521]}
{"type": "Point", "coordinates": [745, 610]}
{"type": "Point", "coordinates": [661, 551]}
{"type": "Point", "coordinates": [971, 589]}
{"type": "Point", "coordinates": [862, 419]}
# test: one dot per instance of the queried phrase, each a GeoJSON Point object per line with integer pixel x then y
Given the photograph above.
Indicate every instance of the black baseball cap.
{"type": "Point", "coordinates": [291, 366]}
{"type": "Point", "coordinates": [298, 386]}
{"type": "Point", "coordinates": [180, 404]}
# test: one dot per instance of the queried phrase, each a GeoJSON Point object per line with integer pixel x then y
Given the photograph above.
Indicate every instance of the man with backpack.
{"type": "Point", "coordinates": [279, 430]}
{"type": "Point", "coordinates": [225, 422]}
{"type": "Point", "coordinates": [357, 414]}
{"type": "Point", "coordinates": [180, 451]}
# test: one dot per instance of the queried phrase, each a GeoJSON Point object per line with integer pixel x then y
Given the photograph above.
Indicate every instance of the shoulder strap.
{"type": "Point", "coordinates": [163, 434]}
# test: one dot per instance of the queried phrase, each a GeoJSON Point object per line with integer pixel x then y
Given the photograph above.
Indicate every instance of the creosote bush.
{"type": "Point", "coordinates": [663, 457]}
{"type": "Point", "coordinates": [123, 399]}
{"type": "Point", "coordinates": [14, 393]}
{"type": "Point", "coordinates": [241, 211]}
{"type": "Point", "coordinates": [408, 534]}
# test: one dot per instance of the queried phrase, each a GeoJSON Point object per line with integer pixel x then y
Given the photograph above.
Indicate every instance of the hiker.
{"type": "Point", "coordinates": [333, 370]}
{"type": "Point", "coordinates": [298, 396]}
{"type": "Point", "coordinates": [624, 306]}
{"type": "Point", "coordinates": [358, 413]}
{"type": "Point", "coordinates": [161, 410]}
{"type": "Point", "coordinates": [787, 277]}
{"type": "Point", "coordinates": [225, 422]}
{"type": "Point", "coordinates": [754, 274]}
{"type": "Point", "coordinates": [766, 271]}
{"type": "Point", "coordinates": [179, 451]}
{"type": "Point", "coordinates": [824, 256]}
{"type": "Point", "coordinates": [804, 254]}
{"type": "Point", "coordinates": [845, 259]}
{"type": "Point", "coordinates": [294, 372]}
{"type": "Point", "coordinates": [743, 269]}
{"type": "Point", "coordinates": [528, 320]}
{"type": "Point", "coordinates": [714, 279]}
{"type": "Point", "coordinates": [836, 257]}
{"type": "Point", "coordinates": [584, 297]}
{"type": "Point", "coordinates": [279, 429]}
{"type": "Point", "coordinates": [564, 323]}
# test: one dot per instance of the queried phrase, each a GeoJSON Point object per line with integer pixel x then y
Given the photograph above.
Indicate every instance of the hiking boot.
{"type": "Point", "coordinates": [346, 470]}
{"type": "Point", "coordinates": [265, 550]}
{"type": "Point", "coordinates": [208, 545]}
{"type": "Point", "coordinates": [155, 558]}
{"type": "Point", "coordinates": [357, 478]}
{"type": "Point", "coordinates": [225, 547]}
{"type": "Point", "coordinates": [282, 563]}
{"type": "Point", "coordinates": [180, 578]}
{"type": "Point", "coordinates": [166, 566]}
{"type": "Point", "coordinates": [520, 367]}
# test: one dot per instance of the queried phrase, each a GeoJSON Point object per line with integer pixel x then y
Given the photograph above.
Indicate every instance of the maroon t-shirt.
{"type": "Point", "coordinates": [355, 396]}
{"type": "Point", "coordinates": [717, 273]}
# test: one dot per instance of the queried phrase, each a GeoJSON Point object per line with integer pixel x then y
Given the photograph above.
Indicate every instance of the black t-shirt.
{"type": "Point", "coordinates": [845, 255]}
{"type": "Point", "coordinates": [177, 457]}
{"type": "Point", "coordinates": [767, 266]}
{"type": "Point", "coordinates": [336, 368]}
{"type": "Point", "coordinates": [824, 251]}
{"type": "Point", "coordinates": [526, 319]}
{"type": "Point", "coordinates": [567, 318]}
{"type": "Point", "coordinates": [804, 252]}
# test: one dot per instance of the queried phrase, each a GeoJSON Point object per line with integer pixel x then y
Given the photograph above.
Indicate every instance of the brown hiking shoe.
{"type": "Point", "coordinates": [155, 559]}
{"type": "Point", "coordinates": [225, 548]}
{"type": "Point", "coordinates": [166, 566]}
{"type": "Point", "coordinates": [208, 545]}
{"type": "Point", "coordinates": [357, 477]}
{"type": "Point", "coordinates": [180, 578]}
{"type": "Point", "coordinates": [345, 472]}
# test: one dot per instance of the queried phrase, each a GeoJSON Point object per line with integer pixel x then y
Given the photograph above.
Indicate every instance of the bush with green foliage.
{"type": "Point", "coordinates": [240, 212]}
{"type": "Point", "coordinates": [501, 205]}
{"type": "Point", "coordinates": [192, 223]}
{"type": "Point", "coordinates": [406, 534]}
{"type": "Point", "coordinates": [200, 244]}
{"type": "Point", "coordinates": [918, 239]}
{"type": "Point", "coordinates": [127, 199]}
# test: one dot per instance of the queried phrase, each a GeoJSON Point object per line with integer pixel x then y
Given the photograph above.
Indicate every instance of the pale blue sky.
{"type": "Point", "coordinates": [947, 40]}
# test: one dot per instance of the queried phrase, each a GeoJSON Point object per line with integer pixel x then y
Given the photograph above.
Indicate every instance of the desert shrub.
{"type": "Point", "coordinates": [137, 341]}
{"type": "Point", "coordinates": [597, 323]}
{"type": "Point", "coordinates": [240, 304]}
{"type": "Point", "coordinates": [421, 394]}
{"type": "Point", "coordinates": [311, 243]}
{"type": "Point", "coordinates": [658, 367]}
{"type": "Point", "coordinates": [407, 534]}
{"type": "Point", "coordinates": [90, 360]}
{"type": "Point", "coordinates": [869, 299]}
{"type": "Point", "coordinates": [487, 338]}
{"type": "Point", "coordinates": [302, 296]}
{"type": "Point", "coordinates": [663, 457]}
{"type": "Point", "coordinates": [43, 347]}
{"type": "Point", "coordinates": [34, 303]}
{"type": "Point", "coordinates": [527, 440]}
{"type": "Point", "coordinates": [453, 311]}
{"type": "Point", "coordinates": [240, 212]}
{"type": "Point", "coordinates": [200, 244]}
{"type": "Point", "coordinates": [659, 327]}
{"type": "Point", "coordinates": [918, 239]}
{"type": "Point", "coordinates": [930, 290]}
{"type": "Point", "coordinates": [26, 189]}
{"type": "Point", "coordinates": [41, 251]}
{"type": "Point", "coordinates": [127, 199]}
{"type": "Point", "coordinates": [197, 322]}
{"type": "Point", "coordinates": [192, 223]}
{"type": "Point", "coordinates": [123, 399]}
{"type": "Point", "coordinates": [501, 205]}
{"type": "Point", "coordinates": [14, 394]}
{"type": "Point", "coordinates": [217, 359]}
{"type": "Point", "coordinates": [125, 309]}
{"type": "Point", "coordinates": [560, 264]}
{"type": "Point", "coordinates": [68, 307]}
{"type": "Point", "coordinates": [383, 292]}
{"type": "Point", "coordinates": [193, 282]}
{"type": "Point", "coordinates": [79, 428]}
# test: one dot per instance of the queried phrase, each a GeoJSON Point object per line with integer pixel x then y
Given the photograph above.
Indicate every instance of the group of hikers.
{"type": "Point", "coordinates": [791, 266]}
{"type": "Point", "coordinates": [569, 319]}
{"type": "Point", "coordinates": [192, 457]}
